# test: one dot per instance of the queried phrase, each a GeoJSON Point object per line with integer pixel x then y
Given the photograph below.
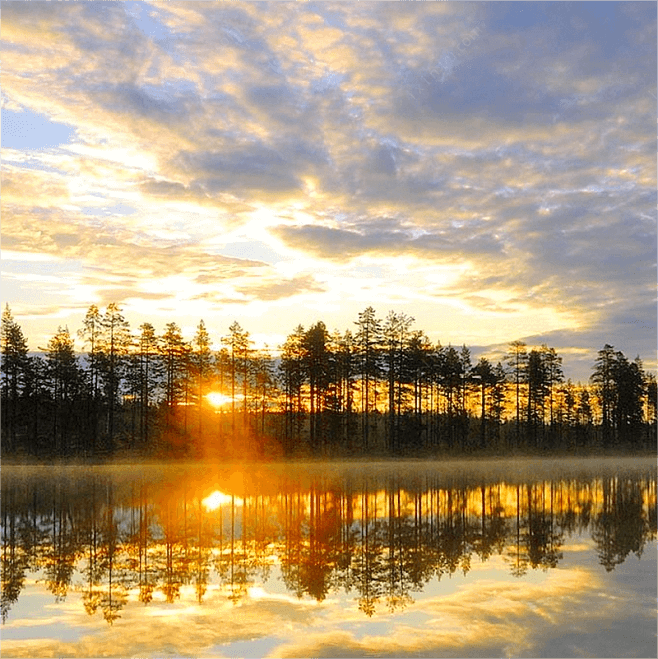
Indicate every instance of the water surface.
{"type": "Point", "coordinates": [481, 558]}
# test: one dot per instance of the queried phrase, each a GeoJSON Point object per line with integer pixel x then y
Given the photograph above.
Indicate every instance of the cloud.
{"type": "Point", "coordinates": [255, 168]}
{"type": "Point", "coordinates": [328, 242]}
{"type": "Point", "coordinates": [277, 290]}
{"type": "Point", "coordinates": [34, 187]}
{"type": "Point", "coordinates": [515, 139]}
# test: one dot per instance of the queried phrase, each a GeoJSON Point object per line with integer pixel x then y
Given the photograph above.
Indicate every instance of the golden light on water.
{"type": "Point", "coordinates": [217, 498]}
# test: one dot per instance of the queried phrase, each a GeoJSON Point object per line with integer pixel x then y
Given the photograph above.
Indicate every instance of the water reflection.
{"type": "Point", "coordinates": [380, 534]}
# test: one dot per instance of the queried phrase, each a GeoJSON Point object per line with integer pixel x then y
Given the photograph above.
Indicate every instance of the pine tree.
{"type": "Point", "coordinates": [395, 334]}
{"type": "Point", "coordinates": [91, 333]}
{"type": "Point", "coordinates": [483, 373]}
{"type": "Point", "coordinates": [368, 340]}
{"type": "Point", "coordinates": [36, 399]}
{"type": "Point", "coordinates": [316, 359]}
{"type": "Point", "coordinates": [14, 365]}
{"type": "Point", "coordinates": [537, 380]}
{"type": "Point", "coordinates": [418, 371]}
{"type": "Point", "coordinates": [145, 376]}
{"type": "Point", "coordinates": [202, 365]}
{"type": "Point", "coordinates": [451, 380]}
{"type": "Point", "coordinates": [264, 383]}
{"type": "Point", "coordinates": [603, 380]}
{"type": "Point", "coordinates": [466, 368]}
{"type": "Point", "coordinates": [629, 395]}
{"type": "Point", "coordinates": [554, 375]}
{"type": "Point", "coordinates": [584, 416]}
{"type": "Point", "coordinates": [651, 388]}
{"type": "Point", "coordinates": [291, 373]}
{"type": "Point", "coordinates": [566, 412]}
{"type": "Point", "coordinates": [517, 361]}
{"type": "Point", "coordinates": [114, 344]}
{"type": "Point", "coordinates": [174, 359]}
{"type": "Point", "coordinates": [238, 344]}
{"type": "Point", "coordinates": [498, 397]}
{"type": "Point", "coordinates": [65, 382]}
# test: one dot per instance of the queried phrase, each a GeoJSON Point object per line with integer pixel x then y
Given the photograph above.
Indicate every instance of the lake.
{"type": "Point", "coordinates": [481, 558]}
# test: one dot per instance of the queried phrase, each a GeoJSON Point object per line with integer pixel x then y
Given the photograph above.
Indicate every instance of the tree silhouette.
{"type": "Point", "coordinates": [619, 385]}
{"type": "Point", "coordinates": [603, 379]}
{"type": "Point", "coordinates": [91, 333]}
{"type": "Point", "coordinates": [14, 364]}
{"type": "Point", "coordinates": [652, 403]}
{"type": "Point", "coordinates": [484, 374]}
{"type": "Point", "coordinates": [114, 345]}
{"type": "Point", "coordinates": [368, 340]}
{"type": "Point", "coordinates": [345, 372]}
{"type": "Point", "coordinates": [498, 398]}
{"type": "Point", "coordinates": [238, 344]}
{"type": "Point", "coordinates": [629, 384]}
{"type": "Point", "coordinates": [452, 376]}
{"type": "Point", "coordinates": [174, 351]}
{"type": "Point", "coordinates": [538, 384]}
{"type": "Point", "coordinates": [385, 388]}
{"type": "Point", "coordinates": [554, 374]}
{"type": "Point", "coordinates": [292, 375]}
{"type": "Point", "coordinates": [149, 376]}
{"type": "Point", "coordinates": [418, 367]}
{"type": "Point", "coordinates": [264, 385]}
{"type": "Point", "coordinates": [584, 414]}
{"type": "Point", "coordinates": [317, 364]}
{"type": "Point", "coordinates": [395, 332]}
{"type": "Point", "coordinates": [65, 382]}
{"type": "Point", "coordinates": [201, 360]}
{"type": "Point", "coordinates": [36, 399]}
{"type": "Point", "coordinates": [517, 361]}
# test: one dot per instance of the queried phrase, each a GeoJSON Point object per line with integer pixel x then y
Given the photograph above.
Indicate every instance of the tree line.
{"type": "Point", "coordinates": [381, 388]}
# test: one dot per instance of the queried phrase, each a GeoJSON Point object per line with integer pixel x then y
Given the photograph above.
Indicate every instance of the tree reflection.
{"type": "Point", "coordinates": [543, 540]}
{"type": "Point", "coordinates": [382, 539]}
{"type": "Point", "coordinates": [621, 527]}
{"type": "Point", "coordinates": [17, 548]}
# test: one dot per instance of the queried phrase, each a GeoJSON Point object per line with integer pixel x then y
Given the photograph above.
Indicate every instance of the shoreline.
{"type": "Point", "coordinates": [447, 458]}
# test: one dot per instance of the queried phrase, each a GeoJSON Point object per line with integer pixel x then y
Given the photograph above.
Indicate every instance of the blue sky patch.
{"type": "Point", "coordinates": [30, 130]}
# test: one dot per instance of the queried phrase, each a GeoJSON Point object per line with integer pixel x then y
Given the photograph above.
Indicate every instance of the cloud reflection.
{"type": "Point", "coordinates": [482, 619]}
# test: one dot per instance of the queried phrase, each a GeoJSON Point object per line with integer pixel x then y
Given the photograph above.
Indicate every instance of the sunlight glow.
{"type": "Point", "coordinates": [217, 400]}
{"type": "Point", "coordinates": [217, 498]}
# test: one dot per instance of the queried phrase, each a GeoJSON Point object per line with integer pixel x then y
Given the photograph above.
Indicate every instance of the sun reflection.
{"type": "Point", "coordinates": [217, 498]}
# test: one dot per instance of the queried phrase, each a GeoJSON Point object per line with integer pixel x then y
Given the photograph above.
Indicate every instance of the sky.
{"type": "Point", "coordinates": [487, 168]}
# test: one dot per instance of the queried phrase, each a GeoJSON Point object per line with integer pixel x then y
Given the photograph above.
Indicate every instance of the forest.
{"type": "Point", "coordinates": [381, 388]}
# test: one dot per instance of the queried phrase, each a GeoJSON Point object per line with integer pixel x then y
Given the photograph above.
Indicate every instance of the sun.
{"type": "Point", "coordinates": [217, 400]}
